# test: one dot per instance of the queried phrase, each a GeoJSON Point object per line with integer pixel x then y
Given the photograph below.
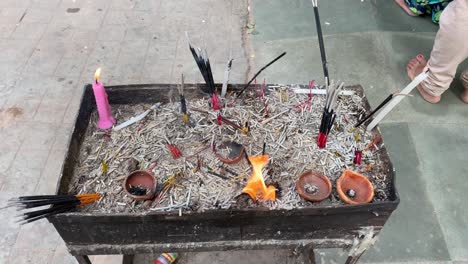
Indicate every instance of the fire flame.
{"type": "Point", "coordinates": [97, 74]}
{"type": "Point", "coordinates": [256, 188]}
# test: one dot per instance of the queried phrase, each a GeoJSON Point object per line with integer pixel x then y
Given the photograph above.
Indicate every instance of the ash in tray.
{"type": "Point", "coordinates": [198, 180]}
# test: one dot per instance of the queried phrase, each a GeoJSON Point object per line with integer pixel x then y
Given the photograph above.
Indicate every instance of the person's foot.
{"type": "Point", "coordinates": [403, 5]}
{"type": "Point", "coordinates": [464, 80]}
{"type": "Point", "coordinates": [414, 68]}
{"type": "Point", "coordinates": [464, 96]}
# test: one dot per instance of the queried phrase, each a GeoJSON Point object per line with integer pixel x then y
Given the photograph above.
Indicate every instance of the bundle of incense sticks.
{"type": "Point", "coordinates": [329, 112]}
{"type": "Point", "coordinates": [55, 203]}
{"type": "Point", "coordinates": [203, 63]}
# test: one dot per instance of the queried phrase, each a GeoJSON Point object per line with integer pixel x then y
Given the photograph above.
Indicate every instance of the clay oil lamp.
{"type": "Point", "coordinates": [140, 185]}
{"type": "Point", "coordinates": [229, 152]}
{"type": "Point", "coordinates": [313, 186]}
{"type": "Point", "coordinates": [354, 188]}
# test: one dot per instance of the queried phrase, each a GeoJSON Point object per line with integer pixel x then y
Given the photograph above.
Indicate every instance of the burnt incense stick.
{"type": "Point", "coordinates": [222, 119]}
{"type": "Point", "coordinates": [255, 76]}
{"type": "Point", "coordinates": [183, 102]}
{"type": "Point", "coordinates": [233, 173]}
{"type": "Point", "coordinates": [264, 148]}
{"type": "Point", "coordinates": [227, 71]}
{"type": "Point", "coordinates": [217, 174]}
{"type": "Point", "coordinates": [320, 40]}
{"type": "Point", "coordinates": [247, 158]}
{"type": "Point", "coordinates": [390, 97]}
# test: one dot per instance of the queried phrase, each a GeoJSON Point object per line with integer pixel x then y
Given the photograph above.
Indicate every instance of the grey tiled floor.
{"type": "Point", "coordinates": [51, 48]}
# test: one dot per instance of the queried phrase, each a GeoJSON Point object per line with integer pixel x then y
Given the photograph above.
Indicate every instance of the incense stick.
{"type": "Point", "coordinates": [227, 71]}
{"type": "Point", "coordinates": [320, 40]}
{"type": "Point", "coordinates": [258, 73]}
{"type": "Point", "coordinates": [375, 110]}
{"type": "Point", "coordinates": [421, 77]}
{"type": "Point", "coordinates": [183, 101]}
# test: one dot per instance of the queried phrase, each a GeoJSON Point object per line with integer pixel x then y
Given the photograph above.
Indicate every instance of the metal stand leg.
{"type": "Point", "coordinates": [128, 259]}
{"type": "Point", "coordinates": [307, 253]}
{"type": "Point", "coordinates": [353, 259]}
{"type": "Point", "coordinates": [366, 238]}
{"type": "Point", "coordinates": [83, 259]}
{"type": "Point", "coordinates": [311, 254]}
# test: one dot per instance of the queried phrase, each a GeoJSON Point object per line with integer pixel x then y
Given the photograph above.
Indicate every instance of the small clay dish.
{"type": "Point", "coordinates": [313, 186]}
{"type": "Point", "coordinates": [354, 188]}
{"type": "Point", "coordinates": [140, 179]}
{"type": "Point", "coordinates": [235, 154]}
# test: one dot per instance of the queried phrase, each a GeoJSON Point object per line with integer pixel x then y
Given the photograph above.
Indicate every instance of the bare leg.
{"type": "Point", "coordinates": [414, 68]}
{"type": "Point", "coordinates": [403, 5]}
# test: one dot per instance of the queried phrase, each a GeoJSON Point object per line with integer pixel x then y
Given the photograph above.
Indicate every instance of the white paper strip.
{"type": "Point", "coordinates": [396, 100]}
{"type": "Point", "coordinates": [320, 91]}
{"type": "Point", "coordinates": [136, 118]}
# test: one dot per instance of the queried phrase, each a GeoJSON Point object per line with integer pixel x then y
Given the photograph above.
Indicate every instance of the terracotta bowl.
{"type": "Point", "coordinates": [236, 154]}
{"type": "Point", "coordinates": [143, 179]}
{"type": "Point", "coordinates": [353, 182]}
{"type": "Point", "coordinates": [313, 186]}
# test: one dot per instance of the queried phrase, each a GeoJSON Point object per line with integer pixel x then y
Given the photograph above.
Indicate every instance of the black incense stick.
{"type": "Point", "coordinates": [375, 110]}
{"type": "Point", "coordinates": [320, 39]}
{"type": "Point", "coordinates": [183, 102]}
{"type": "Point", "coordinates": [247, 158]}
{"type": "Point", "coordinates": [57, 204]}
{"type": "Point", "coordinates": [203, 63]}
{"type": "Point", "coordinates": [255, 76]}
{"type": "Point", "coordinates": [217, 175]}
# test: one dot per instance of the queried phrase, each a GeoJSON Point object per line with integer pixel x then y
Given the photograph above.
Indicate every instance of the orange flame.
{"type": "Point", "coordinates": [256, 188]}
{"type": "Point", "coordinates": [97, 74]}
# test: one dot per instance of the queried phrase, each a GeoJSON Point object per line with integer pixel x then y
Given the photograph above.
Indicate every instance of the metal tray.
{"type": "Point", "coordinates": [100, 233]}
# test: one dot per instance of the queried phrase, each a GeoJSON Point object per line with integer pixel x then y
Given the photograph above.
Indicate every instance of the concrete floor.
{"type": "Point", "coordinates": [369, 43]}
{"type": "Point", "coordinates": [49, 52]}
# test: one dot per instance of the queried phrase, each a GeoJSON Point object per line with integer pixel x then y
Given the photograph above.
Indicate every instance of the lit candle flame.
{"type": "Point", "coordinates": [256, 188]}
{"type": "Point", "coordinates": [97, 74]}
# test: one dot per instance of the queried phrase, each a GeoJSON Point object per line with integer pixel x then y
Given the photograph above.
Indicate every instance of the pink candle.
{"type": "Point", "coordinates": [106, 120]}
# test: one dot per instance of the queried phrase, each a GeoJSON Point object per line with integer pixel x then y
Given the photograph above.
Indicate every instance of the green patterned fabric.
{"type": "Point", "coordinates": [433, 8]}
